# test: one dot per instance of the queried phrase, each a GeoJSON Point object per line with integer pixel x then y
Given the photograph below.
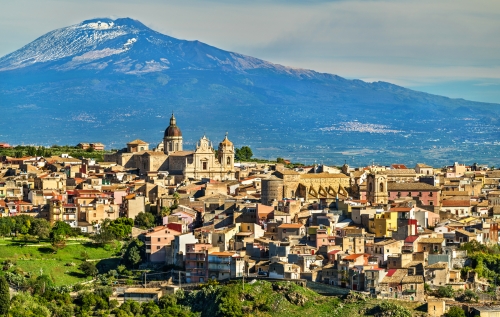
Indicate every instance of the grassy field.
{"type": "Point", "coordinates": [40, 258]}
{"type": "Point", "coordinates": [267, 299]}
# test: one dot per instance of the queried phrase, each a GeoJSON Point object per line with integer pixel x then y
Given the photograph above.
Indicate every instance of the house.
{"type": "Point", "coordinates": [431, 245]}
{"type": "Point", "coordinates": [464, 236]}
{"type": "Point", "coordinates": [288, 230]}
{"type": "Point", "coordinates": [383, 249]}
{"type": "Point", "coordinates": [196, 262]}
{"type": "Point", "coordinates": [373, 277]}
{"type": "Point", "coordinates": [284, 270]}
{"type": "Point", "coordinates": [225, 265]}
{"type": "Point", "coordinates": [455, 208]}
{"type": "Point", "coordinates": [437, 274]}
{"type": "Point", "coordinates": [157, 240]}
{"type": "Point", "coordinates": [412, 287]}
{"type": "Point", "coordinates": [143, 295]}
{"type": "Point", "coordinates": [383, 224]}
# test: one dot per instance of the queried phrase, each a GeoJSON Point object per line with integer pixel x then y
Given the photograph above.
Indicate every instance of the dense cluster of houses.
{"type": "Point", "coordinates": [387, 230]}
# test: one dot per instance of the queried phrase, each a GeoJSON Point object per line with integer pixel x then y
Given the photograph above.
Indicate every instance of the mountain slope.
{"type": "Point", "coordinates": [115, 80]}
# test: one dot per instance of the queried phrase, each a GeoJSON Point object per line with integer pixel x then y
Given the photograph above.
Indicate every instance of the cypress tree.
{"type": "Point", "coordinates": [4, 296]}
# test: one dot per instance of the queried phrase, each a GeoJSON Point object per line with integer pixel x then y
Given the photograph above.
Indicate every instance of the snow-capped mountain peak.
{"type": "Point", "coordinates": [127, 46]}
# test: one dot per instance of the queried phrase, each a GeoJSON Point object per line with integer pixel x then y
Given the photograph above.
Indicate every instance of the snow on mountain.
{"type": "Point", "coordinates": [128, 46]}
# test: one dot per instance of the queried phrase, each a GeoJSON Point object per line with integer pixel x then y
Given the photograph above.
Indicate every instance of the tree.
{"type": "Point", "coordinates": [121, 227]}
{"type": "Point", "coordinates": [23, 304]}
{"type": "Point", "coordinates": [445, 291]}
{"type": "Point", "coordinates": [468, 296]}
{"type": "Point", "coordinates": [455, 311]}
{"type": "Point", "coordinates": [42, 284]}
{"type": "Point", "coordinates": [145, 220]}
{"type": "Point", "coordinates": [4, 296]}
{"type": "Point", "coordinates": [280, 160]}
{"type": "Point", "coordinates": [394, 310]}
{"type": "Point", "coordinates": [244, 153]}
{"type": "Point", "coordinates": [40, 227]}
{"type": "Point", "coordinates": [134, 257]}
{"type": "Point", "coordinates": [88, 268]}
{"type": "Point", "coordinates": [61, 229]}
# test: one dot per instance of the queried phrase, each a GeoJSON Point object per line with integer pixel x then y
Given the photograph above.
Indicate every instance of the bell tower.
{"type": "Point", "coordinates": [376, 191]}
{"type": "Point", "coordinates": [226, 156]}
{"type": "Point", "coordinates": [172, 140]}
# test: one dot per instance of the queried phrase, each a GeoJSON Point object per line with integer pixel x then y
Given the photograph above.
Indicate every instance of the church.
{"type": "Point", "coordinates": [170, 156]}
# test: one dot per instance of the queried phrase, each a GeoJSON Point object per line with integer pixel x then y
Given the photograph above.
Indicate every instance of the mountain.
{"type": "Point", "coordinates": [112, 81]}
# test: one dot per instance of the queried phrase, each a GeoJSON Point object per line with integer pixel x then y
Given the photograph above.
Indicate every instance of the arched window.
{"type": "Point", "coordinates": [381, 187]}
{"type": "Point", "coordinates": [228, 161]}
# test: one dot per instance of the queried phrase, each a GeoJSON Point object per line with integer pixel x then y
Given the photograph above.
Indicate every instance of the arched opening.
{"type": "Point", "coordinates": [381, 187]}
{"type": "Point", "coordinates": [228, 161]}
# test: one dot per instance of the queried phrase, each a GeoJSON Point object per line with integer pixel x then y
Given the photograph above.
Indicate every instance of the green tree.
{"type": "Point", "coordinates": [468, 296]}
{"type": "Point", "coordinates": [121, 227]}
{"type": "Point", "coordinates": [394, 310]}
{"type": "Point", "coordinates": [41, 284]}
{"type": "Point", "coordinates": [455, 311]}
{"type": "Point", "coordinates": [145, 220]}
{"type": "Point", "coordinates": [61, 229]}
{"type": "Point", "coordinates": [40, 227]}
{"type": "Point", "coordinates": [134, 256]}
{"type": "Point", "coordinates": [4, 296]}
{"type": "Point", "coordinates": [88, 268]}
{"type": "Point", "coordinates": [445, 291]}
{"type": "Point", "coordinates": [244, 153]}
{"type": "Point", "coordinates": [23, 304]}
{"type": "Point", "coordinates": [280, 160]}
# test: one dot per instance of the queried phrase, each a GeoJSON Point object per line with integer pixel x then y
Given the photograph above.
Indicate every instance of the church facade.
{"type": "Point", "coordinates": [171, 157]}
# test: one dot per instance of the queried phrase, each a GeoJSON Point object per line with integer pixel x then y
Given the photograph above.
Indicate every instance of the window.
{"type": "Point", "coordinates": [228, 161]}
{"type": "Point", "coordinates": [205, 165]}
{"type": "Point", "coordinates": [159, 239]}
{"type": "Point", "coordinates": [157, 247]}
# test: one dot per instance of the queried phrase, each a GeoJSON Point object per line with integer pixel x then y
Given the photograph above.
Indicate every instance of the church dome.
{"type": "Point", "coordinates": [226, 142]}
{"type": "Point", "coordinates": [173, 129]}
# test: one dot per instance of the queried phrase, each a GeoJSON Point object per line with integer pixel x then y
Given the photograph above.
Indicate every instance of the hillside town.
{"type": "Point", "coordinates": [390, 231]}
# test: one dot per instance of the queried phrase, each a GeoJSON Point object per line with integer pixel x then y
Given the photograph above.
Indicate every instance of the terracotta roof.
{"type": "Point", "coordinates": [431, 240]}
{"type": "Point", "coordinates": [136, 142]}
{"type": "Point", "coordinates": [411, 187]}
{"type": "Point", "coordinates": [413, 279]}
{"type": "Point", "coordinates": [411, 239]}
{"type": "Point", "coordinates": [385, 242]}
{"type": "Point", "coordinates": [181, 153]}
{"type": "Point", "coordinates": [400, 209]}
{"type": "Point", "coordinates": [291, 225]}
{"type": "Point", "coordinates": [352, 256]}
{"type": "Point", "coordinates": [225, 253]}
{"type": "Point", "coordinates": [455, 203]}
{"type": "Point", "coordinates": [323, 175]}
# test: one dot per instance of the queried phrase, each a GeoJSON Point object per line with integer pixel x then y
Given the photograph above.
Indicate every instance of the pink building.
{"type": "Point", "coordinates": [427, 194]}
{"type": "Point", "coordinates": [196, 262]}
{"type": "Point", "coordinates": [158, 240]}
{"type": "Point", "coordinates": [322, 238]}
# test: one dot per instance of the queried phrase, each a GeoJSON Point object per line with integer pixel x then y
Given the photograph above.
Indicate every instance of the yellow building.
{"type": "Point", "coordinates": [383, 224]}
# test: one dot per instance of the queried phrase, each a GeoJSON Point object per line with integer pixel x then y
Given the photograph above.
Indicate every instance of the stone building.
{"type": "Point", "coordinates": [180, 164]}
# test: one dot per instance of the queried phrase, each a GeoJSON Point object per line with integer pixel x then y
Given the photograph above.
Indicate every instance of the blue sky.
{"type": "Point", "coordinates": [447, 47]}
